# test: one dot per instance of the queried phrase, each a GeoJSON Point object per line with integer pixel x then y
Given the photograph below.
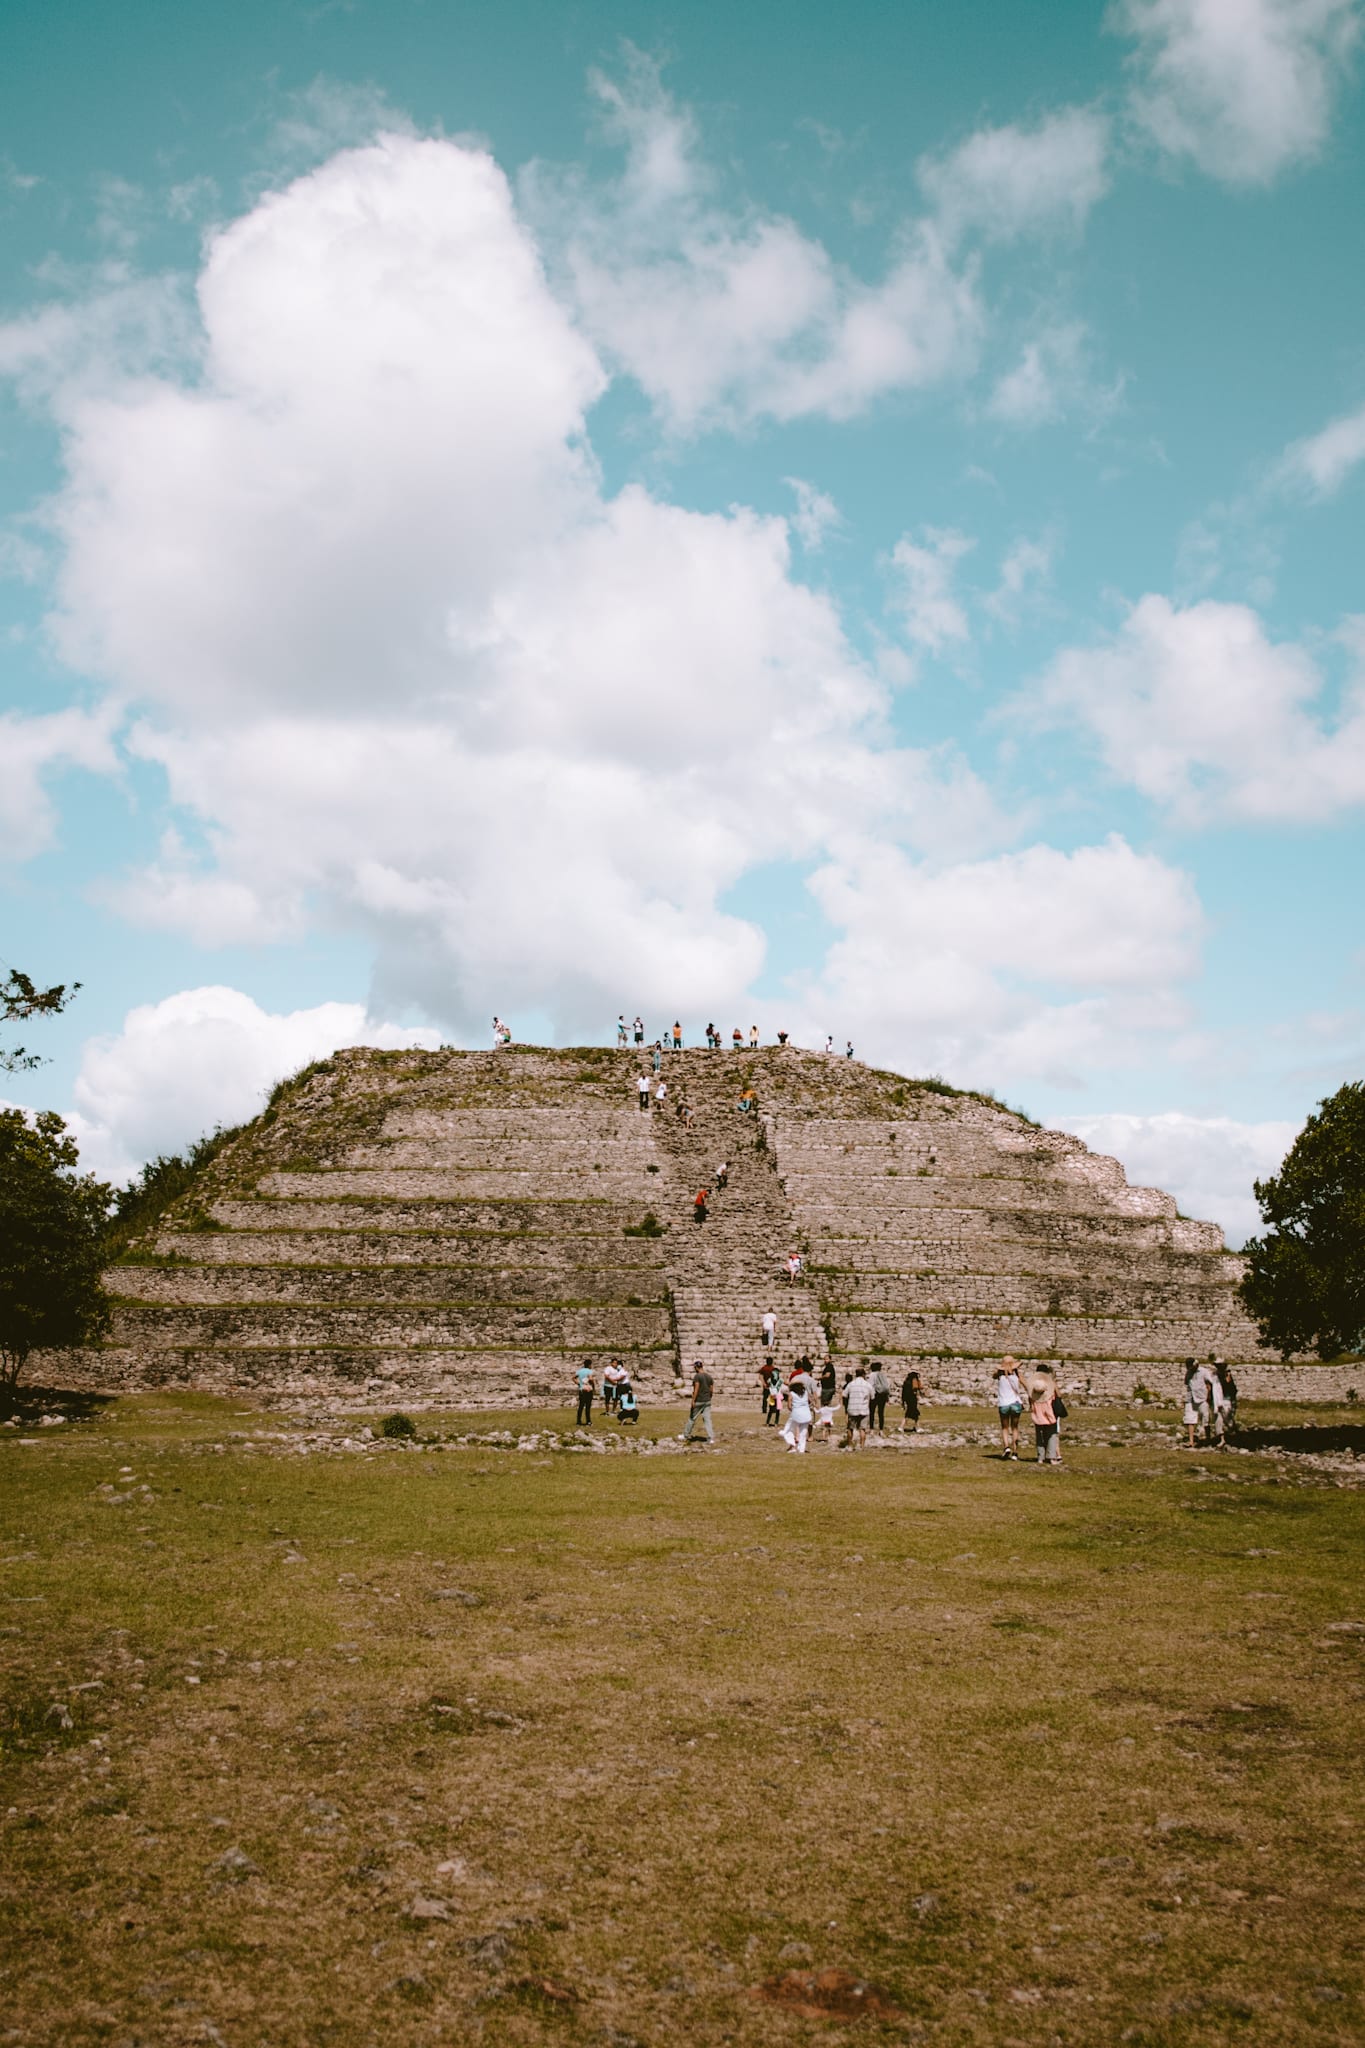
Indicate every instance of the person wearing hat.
{"type": "Point", "coordinates": [1045, 1409]}
{"type": "Point", "coordinates": [1009, 1395]}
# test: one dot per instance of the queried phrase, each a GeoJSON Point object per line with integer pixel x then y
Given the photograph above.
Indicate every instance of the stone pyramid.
{"type": "Point", "coordinates": [461, 1228]}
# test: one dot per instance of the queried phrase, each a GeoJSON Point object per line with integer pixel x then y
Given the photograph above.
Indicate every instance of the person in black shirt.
{"type": "Point", "coordinates": [910, 1393]}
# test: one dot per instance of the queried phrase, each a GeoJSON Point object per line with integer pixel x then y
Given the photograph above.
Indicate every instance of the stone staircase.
{"type": "Point", "coordinates": [724, 1273]}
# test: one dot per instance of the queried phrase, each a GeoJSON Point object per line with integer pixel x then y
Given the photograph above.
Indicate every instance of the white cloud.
{"type": "Point", "coordinates": [1202, 712]}
{"type": "Point", "coordinates": [1032, 965]}
{"type": "Point", "coordinates": [731, 315]}
{"type": "Point", "coordinates": [934, 619]}
{"type": "Point", "coordinates": [1052, 380]}
{"type": "Point", "coordinates": [816, 514]}
{"type": "Point", "coordinates": [1244, 88]}
{"type": "Point", "coordinates": [1025, 571]}
{"type": "Point", "coordinates": [1208, 1163]}
{"type": "Point", "coordinates": [1002, 183]}
{"type": "Point", "coordinates": [406, 668]}
{"type": "Point", "coordinates": [205, 1057]}
{"type": "Point", "coordinates": [1323, 461]}
{"type": "Point", "coordinates": [31, 749]}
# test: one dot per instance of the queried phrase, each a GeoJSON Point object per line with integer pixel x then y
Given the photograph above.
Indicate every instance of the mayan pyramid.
{"type": "Point", "coordinates": [462, 1228]}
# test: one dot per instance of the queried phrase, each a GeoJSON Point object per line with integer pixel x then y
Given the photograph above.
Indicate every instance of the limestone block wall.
{"type": "Point", "coordinates": [462, 1228]}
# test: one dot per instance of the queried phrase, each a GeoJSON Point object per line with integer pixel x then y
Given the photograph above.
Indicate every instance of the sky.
{"type": "Point", "coordinates": [845, 519]}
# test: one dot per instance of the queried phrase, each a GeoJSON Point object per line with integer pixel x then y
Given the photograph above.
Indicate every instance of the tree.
{"type": "Point", "coordinates": [52, 1224]}
{"type": "Point", "coordinates": [19, 999]}
{"type": "Point", "coordinates": [1305, 1279]}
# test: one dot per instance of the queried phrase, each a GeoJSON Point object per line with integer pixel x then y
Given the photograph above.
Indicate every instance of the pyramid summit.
{"type": "Point", "coordinates": [462, 1228]}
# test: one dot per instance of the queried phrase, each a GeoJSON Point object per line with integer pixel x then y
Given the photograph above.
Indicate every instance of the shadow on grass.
{"type": "Point", "coordinates": [1330, 1437]}
{"type": "Point", "coordinates": [27, 1403]}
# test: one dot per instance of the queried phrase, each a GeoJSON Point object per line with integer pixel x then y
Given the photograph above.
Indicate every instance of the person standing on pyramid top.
{"type": "Point", "coordinates": [737, 1039]}
{"type": "Point", "coordinates": [622, 1035]}
{"type": "Point", "coordinates": [829, 1043]}
{"type": "Point", "coordinates": [657, 1054]}
{"type": "Point", "coordinates": [753, 1038]}
{"type": "Point", "coordinates": [677, 1036]}
{"type": "Point", "coordinates": [639, 1028]}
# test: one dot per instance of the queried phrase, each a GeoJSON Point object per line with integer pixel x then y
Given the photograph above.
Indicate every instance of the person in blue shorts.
{"type": "Point", "coordinates": [1009, 1394]}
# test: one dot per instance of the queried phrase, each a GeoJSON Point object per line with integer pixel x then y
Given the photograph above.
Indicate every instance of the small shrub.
{"type": "Point", "coordinates": [398, 1426]}
{"type": "Point", "coordinates": [649, 1226]}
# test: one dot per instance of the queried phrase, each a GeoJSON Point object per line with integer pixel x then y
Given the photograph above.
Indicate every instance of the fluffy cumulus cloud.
{"type": "Point", "coordinates": [1209, 1163]}
{"type": "Point", "coordinates": [725, 314]}
{"type": "Point", "coordinates": [403, 663]}
{"type": "Point", "coordinates": [1199, 709]}
{"type": "Point", "coordinates": [206, 1057]}
{"type": "Point", "coordinates": [1243, 88]}
{"type": "Point", "coordinates": [1028, 966]}
{"type": "Point", "coordinates": [1002, 183]}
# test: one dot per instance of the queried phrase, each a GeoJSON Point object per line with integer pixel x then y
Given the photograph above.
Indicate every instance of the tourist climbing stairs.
{"type": "Point", "coordinates": [724, 1273]}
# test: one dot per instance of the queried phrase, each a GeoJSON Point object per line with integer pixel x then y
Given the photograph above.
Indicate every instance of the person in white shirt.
{"type": "Point", "coordinates": [1009, 1394]}
{"type": "Point", "coordinates": [659, 1094]}
{"type": "Point", "coordinates": [642, 1090]}
{"type": "Point", "coordinates": [797, 1431]}
{"type": "Point", "coordinates": [769, 1329]}
{"type": "Point", "coordinates": [858, 1403]}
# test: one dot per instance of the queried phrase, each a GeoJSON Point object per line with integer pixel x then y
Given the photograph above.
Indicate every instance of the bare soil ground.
{"type": "Point", "coordinates": [310, 1741]}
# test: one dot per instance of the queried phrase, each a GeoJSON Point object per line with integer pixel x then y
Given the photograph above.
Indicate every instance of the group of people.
{"type": "Point", "coordinates": [618, 1395]}
{"type": "Point", "coordinates": [807, 1398]}
{"type": "Point", "coordinates": [502, 1033]}
{"type": "Point", "coordinates": [672, 1040]}
{"type": "Point", "coordinates": [1016, 1389]}
{"type": "Point", "coordinates": [1210, 1401]}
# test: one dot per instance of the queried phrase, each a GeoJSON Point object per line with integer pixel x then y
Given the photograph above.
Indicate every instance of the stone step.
{"type": "Point", "coordinates": [1098, 1336]}
{"type": "Point", "coordinates": [472, 1326]}
{"type": "Point", "coordinates": [372, 1285]}
{"type": "Point", "coordinates": [494, 1251]}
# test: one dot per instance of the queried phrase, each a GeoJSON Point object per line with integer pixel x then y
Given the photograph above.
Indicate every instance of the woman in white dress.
{"type": "Point", "coordinates": [797, 1431]}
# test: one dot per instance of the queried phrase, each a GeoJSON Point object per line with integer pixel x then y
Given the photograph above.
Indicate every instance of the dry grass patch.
{"type": "Point", "coordinates": [445, 1745]}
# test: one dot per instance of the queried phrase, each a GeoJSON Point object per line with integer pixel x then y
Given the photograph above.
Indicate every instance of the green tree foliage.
{"type": "Point", "coordinates": [163, 1181]}
{"type": "Point", "coordinates": [20, 999]}
{"type": "Point", "coordinates": [52, 1224]}
{"type": "Point", "coordinates": [1305, 1280]}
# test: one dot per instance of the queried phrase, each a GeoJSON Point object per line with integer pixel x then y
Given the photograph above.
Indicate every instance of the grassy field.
{"type": "Point", "coordinates": [415, 1745]}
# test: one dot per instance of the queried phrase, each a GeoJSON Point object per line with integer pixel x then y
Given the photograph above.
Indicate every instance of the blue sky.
{"type": "Point", "coordinates": [844, 518]}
